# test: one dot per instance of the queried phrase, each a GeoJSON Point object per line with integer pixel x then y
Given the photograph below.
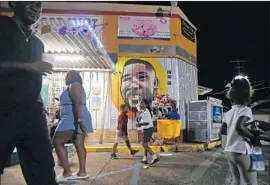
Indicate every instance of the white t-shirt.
{"type": "Point", "coordinates": [235, 142]}
{"type": "Point", "coordinates": [146, 118]}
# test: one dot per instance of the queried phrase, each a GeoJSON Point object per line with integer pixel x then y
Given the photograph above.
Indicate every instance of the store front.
{"type": "Point", "coordinates": [129, 55]}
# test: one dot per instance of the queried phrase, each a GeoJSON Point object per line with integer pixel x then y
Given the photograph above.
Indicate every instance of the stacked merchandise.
{"type": "Point", "coordinates": [163, 104]}
{"type": "Point", "coordinates": [56, 87]}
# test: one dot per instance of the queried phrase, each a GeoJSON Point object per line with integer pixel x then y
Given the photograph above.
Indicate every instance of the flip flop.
{"type": "Point", "coordinates": [76, 177]}
{"type": "Point", "coordinates": [61, 178]}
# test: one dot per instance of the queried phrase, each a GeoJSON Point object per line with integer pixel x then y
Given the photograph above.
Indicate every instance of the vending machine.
{"type": "Point", "coordinates": [204, 120]}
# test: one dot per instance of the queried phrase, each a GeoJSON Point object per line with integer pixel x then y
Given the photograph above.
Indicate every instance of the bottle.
{"type": "Point", "coordinates": [255, 157]}
{"type": "Point", "coordinates": [261, 162]}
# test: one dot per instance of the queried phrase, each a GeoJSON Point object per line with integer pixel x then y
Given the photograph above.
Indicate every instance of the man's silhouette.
{"type": "Point", "coordinates": [22, 118]}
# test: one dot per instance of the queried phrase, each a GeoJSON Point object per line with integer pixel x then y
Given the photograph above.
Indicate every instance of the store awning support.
{"type": "Point", "coordinates": [106, 99]}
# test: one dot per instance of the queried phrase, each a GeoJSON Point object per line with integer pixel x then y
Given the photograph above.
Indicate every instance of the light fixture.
{"type": "Point", "coordinates": [174, 3]}
{"type": "Point", "coordinates": [160, 12]}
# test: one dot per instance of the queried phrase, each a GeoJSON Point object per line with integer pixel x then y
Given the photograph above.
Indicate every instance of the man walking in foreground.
{"type": "Point", "coordinates": [22, 119]}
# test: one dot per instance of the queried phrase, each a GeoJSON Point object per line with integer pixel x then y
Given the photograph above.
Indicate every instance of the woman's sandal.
{"type": "Point", "coordinates": [76, 177]}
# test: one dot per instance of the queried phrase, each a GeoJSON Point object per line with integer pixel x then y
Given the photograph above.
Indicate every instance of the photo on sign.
{"type": "Point", "coordinates": [217, 114]}
{"type": "Point", "coordinates": [139, 27]}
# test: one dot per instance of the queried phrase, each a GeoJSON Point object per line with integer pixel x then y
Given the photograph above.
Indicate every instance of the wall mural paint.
{"type": "Point", "coordinates": [139, 78]}
{"type": "Point", "coordinates": [135, 80]}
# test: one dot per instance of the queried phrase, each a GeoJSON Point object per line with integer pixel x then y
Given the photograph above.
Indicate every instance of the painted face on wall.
{"type": "Point", "coordinates": [137, 82]}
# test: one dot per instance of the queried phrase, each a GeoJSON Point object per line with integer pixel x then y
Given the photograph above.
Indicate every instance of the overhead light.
{"type": "Point", "coordinates": [174, 3]}
{"type": "Point", "coordinates": [160, 12]}
{"type": "Point", "coordinates": [68, 57]}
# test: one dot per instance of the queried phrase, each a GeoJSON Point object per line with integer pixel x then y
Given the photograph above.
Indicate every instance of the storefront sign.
{"type": "Point", "coordinates": [187, 30]}
{"type": "Point", "coordinates": [73, 23]}
{"type": "Point", "coordinates": [131, 27]}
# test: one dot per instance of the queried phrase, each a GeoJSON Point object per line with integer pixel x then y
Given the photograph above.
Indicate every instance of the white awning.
{"type": "Point", "coordinates": [71, 46]}
{"type": "Point", "coordinates": [203, 90]}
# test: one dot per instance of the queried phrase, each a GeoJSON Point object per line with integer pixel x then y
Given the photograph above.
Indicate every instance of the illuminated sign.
{"type": "Point", "coordinates": [187, 30]}
{"type": "Point", "coordinates": [73, 23]}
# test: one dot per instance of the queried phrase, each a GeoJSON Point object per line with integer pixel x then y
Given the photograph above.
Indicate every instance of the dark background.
{"type": "Point", "coordinates": [229, 31]}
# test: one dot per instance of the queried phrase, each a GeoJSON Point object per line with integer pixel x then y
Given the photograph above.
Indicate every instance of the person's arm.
{"type": "Point", "coordinates": [76, 98]}
{"type": "Point", "coordinates": [146, 119]}
{"type": "Point", "coordinates": [242, 129]}
{"type": "Point", "coordinates": [223, 129]}
{"type": "Point", "coordinates": [9, 67]}
{"type": "Point", "coordinates": [120, 123]}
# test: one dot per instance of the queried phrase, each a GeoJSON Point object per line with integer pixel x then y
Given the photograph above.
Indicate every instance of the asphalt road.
{"type": "Point", "coordinates": [200, 168]}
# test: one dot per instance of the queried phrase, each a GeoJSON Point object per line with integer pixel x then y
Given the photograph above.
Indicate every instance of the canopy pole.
{"type": "Point", "coordinates": [106, 93]}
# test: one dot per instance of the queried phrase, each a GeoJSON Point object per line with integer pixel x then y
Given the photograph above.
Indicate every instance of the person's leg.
{"type": "Point", "coordinates": [35, 149]}
{"type": "Point", "coordinates": [114, 148]}
{"type": "Point", "coordinates": [234, 169]}
{"type": "Point", "coordinates": [244, 165]}
{"type": "Point", "coordinates": [117, 140]}
{"type": "Point", "coordinates": [147, 135]}
{"type": "Point", "coordinates": [82, 154]}
{"type": "Point", "coordinates": [132, 151]}
{"type": "Point", "coordinates": [8, 137]}
{"type": "Point", "coordinates": [59, 141]}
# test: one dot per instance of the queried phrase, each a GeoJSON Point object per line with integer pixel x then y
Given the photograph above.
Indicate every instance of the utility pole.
{"type": "Point", "coordinates": [239, 65]}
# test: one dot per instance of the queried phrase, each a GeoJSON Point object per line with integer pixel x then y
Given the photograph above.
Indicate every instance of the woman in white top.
{"type": "Point", "coordinates": [237, 148]}
{"type": "Point", "coordinates": [146, 125]}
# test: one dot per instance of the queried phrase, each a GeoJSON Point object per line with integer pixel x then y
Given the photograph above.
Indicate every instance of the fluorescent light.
{"type": "Point", "coordinates": [68, 57]}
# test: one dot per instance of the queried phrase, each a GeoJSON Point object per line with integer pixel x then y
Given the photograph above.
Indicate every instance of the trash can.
{"type": "Point", "coordinates": [70, 151]}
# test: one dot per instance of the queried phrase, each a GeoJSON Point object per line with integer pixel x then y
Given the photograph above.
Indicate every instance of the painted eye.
{"type": "Point", "coordinates": [126, 79]}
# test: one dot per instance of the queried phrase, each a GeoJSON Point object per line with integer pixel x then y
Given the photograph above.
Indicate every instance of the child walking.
{"type": "Point", "coordinates": [122, 133]}
{"type": "Point", "coordinates": [237, 149]}
{"type": "Point", "coordinates": [146, 124]}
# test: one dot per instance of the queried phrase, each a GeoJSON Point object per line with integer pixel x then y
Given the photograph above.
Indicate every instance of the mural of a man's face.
{"type": "Point", "coordinates": [137, 82]}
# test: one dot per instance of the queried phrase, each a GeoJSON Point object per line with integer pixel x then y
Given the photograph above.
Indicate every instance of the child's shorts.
{"type": "Point", "coordinates": [118, 138]}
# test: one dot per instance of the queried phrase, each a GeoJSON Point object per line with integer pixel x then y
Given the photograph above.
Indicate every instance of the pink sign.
{"type": "Point", "coordinates": [130, 27]}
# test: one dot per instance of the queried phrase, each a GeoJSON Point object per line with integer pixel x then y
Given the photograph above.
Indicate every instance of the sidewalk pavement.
{"type": "Point", "coordinates": [184, 147]}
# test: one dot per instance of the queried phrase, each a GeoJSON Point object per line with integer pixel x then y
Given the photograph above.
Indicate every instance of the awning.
{"type": "Point", "coordinates": [203, 90]}
{"type": "Point", "coordinates": [69, 50]}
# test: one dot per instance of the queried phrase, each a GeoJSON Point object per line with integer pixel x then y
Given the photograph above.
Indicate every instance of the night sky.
{"type": "Point", "coordinates": [229, 31]}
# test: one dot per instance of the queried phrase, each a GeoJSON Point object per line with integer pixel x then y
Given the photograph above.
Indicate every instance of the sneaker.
{"type": "Point", "coordinates": [155, 160]}
{"type": "Point", "coordinates": [133, 152]}
{"type": "Point", "coordinates": [113, 156]}
{"type": "Point", "coordinates": [144, 162]}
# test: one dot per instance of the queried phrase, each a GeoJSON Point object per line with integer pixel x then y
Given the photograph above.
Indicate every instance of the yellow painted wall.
{"type": "Point", "coordinates": [111, 42]}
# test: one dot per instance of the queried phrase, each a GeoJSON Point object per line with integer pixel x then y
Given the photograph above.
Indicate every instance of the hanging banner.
{"type": "Point", "coordinates": [131, 27]}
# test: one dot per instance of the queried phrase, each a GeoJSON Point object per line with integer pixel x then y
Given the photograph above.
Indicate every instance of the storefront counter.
{"type": "Point", "coordinates": [169, 129]}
